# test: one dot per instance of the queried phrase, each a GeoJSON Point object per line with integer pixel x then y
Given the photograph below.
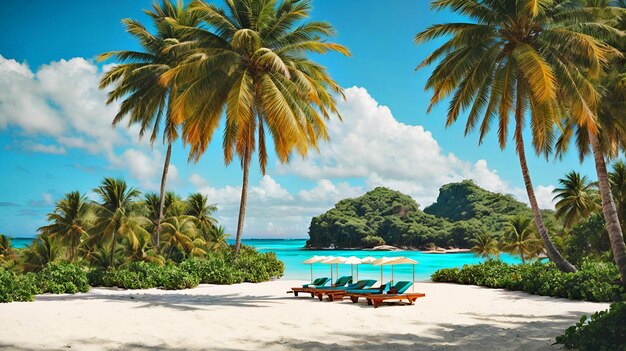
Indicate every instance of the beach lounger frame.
{"type": "Point", "coordinates": [377, 299]}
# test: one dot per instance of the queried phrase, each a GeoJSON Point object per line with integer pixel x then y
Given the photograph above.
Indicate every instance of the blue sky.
{"type": "Point", "coordinates": [55, 135]}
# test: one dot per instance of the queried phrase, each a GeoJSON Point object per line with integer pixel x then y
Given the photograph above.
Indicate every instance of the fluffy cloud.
{"type": "Point", "coordinates": [61, 101]}
{"type": "Point", "coordinates": [372, 145]}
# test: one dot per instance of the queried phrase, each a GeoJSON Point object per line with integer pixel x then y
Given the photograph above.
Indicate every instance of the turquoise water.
{"type": "Point", "coordinates": [292, 253]}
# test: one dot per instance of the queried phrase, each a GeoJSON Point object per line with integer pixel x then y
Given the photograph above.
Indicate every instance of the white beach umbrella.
{"type": "Point", "coordinates": [353, 260]}
{"type": "Point", "coordinates": [334, 260]}
{"type": "Point", "coordinates": [405, 260]}
{"type": "Point", "coordinates": [314, 259]}
{"type": "Point", "coordinates": [368, 259]}
{"type": "Point", "coordinates": [383, 261]}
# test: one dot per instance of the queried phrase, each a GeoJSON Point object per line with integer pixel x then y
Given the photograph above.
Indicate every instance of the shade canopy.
{"type": "Point", "coordinates": [384, 261]}
{"type": "Point", "coordinates": [314, 259]}
{"type": "Point", "coordinates": [368, 259]}
{"type": "Point", "coordinates": [352, 260]}
{"type": "Point", "coordinates": [334, 260]}
{"type": "Point", "coordinates": [403, 260]}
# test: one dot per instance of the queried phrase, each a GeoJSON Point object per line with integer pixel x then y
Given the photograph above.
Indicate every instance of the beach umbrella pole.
{"type": "Point", "coordinates": [311, 272]}
{"type": "Point", "coordinates": [413, 278]}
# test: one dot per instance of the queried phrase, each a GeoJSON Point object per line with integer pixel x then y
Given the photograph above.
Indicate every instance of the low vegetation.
{"type": "Point", "coordinates": [594, 281]}
{"type": "Point", "coordinates": [604, 330]}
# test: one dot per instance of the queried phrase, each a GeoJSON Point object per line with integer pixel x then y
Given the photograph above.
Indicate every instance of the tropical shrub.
{"type": "Point", "coordinates": [63, 278]}
{"type": "Point", "coordinates": [134, 275]}
{"type": "Point", "coordinates": [595, 281]}
{"type": "Point", "coordinates": [213, 269]}
{"type": "Point", "coordinates": [372, 241]}
{"type": "Point", "coordinates": [17, 287]}
{"type": "Point", "coordinates": [604, 330]}
{"type": "Point", "coordinates": [175, 278]}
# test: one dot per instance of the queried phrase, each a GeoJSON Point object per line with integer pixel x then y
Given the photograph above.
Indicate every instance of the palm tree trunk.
{"type": "Point", "coordinates": [166, 168]}
{"type": "Point", "coordinates": [113, 252]}
{"type": "Point", "coordinates": [244, 200]}
{"type": "Point", "coordinates": [554, 254]}
{"type": "Point", "coordinates": [608, 209]}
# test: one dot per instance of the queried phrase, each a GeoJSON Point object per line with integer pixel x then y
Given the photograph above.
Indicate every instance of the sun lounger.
{"type": "Point", "coordinates": [312, 289]}
{"type": "Point", "coordinates": [397, 292]}
{"type": "Point", "coordinates": [354, 294]}
{"type": "Point", "coordinates": [317, 283]}
{"type": "Point", "coordinates": [331, 291]}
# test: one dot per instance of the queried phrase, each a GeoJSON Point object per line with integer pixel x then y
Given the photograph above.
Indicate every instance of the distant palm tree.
{"type": "Point", "coordinates": [520, 238]}
{"type": "Point", "coordinates": [6, 250]}
{"type": "Point", "coordinates": [117, 215]}
{"type": "Point", "coordinates": [199, 208]}
{"type": "Point", "coordinates": [40, 252]}
{"type": "Point", "coordinates": [146, 101]}
{"type": "Point", "coordinates": [485, 245]}
{"type": "Point", "coordinates": [70, 220]}
{"type": "Point", "coordinates": [179, 234]}
{"type": "Point", "coordinates": [251, 63]}
{"type": "Point", "coordinates": [513, 57]}
{"type": "Point", "coordinates": [217, 238]}
{"type": "Point", "coordinates": [173, 205]}
{"type": "Point", "coordinates": [577, 199]}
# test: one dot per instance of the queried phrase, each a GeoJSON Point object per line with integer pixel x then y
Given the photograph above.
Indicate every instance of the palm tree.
{"type": "Point", "coordinates": [173, 205]}
{"type": "Point", "coordinates": [485, 245]}
{"type": "Point", "coordinates": [520, 238]}
{"type": "Point", "coordinates": [143, 251]}
{"type": "Point", "coordinates": [69, 221]}
{"type": "Point", "coordinates": [217, 238]}
{"type": "Point", "coordinates": [6, 250]}
{"type": "Point", "coordinates": [117, 215]}
{"type": "Point", "coordinates": [179, 233]}
{"type": "Point", "coordinates": [516, 56]}
{"type": "Point", "coordinates": [146, 102]}
{"type": "Point", "coordinates": [617, 180]}
{"type": "Point", "coordinates": [576, 198]}
{"type": "Point", "coordinates": [251, 62]}
{"type": "Point", "coordinates": [202, 212]}
{"type": "Point", "coordinates": [594, 98]}
{"type": "Point", "coordinates": [40, 252]}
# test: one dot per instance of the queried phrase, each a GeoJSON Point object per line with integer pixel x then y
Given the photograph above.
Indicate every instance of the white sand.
{"type": "Point", "coordinates": [263, 316]}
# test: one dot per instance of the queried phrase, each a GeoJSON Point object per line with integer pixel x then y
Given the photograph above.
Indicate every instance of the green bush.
{"type": "Point", "coordinates": [605, 330]}
{"type": "Point", "coordinates": [213, 269]}
{"type": "Point", "coordinates": [17, 287]}
{"type": "Point", "coordinates": [372, 241]}
{"type": "Point", "coordinates": [175, 278]}
{"type": "Point", "coordinates": [134, 275]}
{"type": "Point", "coordinates": [63, 278]}
{"type": "Point", "coordinates": [595, 281]}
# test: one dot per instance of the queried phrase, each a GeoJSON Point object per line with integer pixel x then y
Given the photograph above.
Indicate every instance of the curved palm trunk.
{"type": "Point", "coordinates": [608, 209]}
{"type": "Point", "coordinates": [554, 254]}
{"type": "Point", "coordinates": [166, 168]}
{"type": "Point", "coordinates": [243, 202]}
{"type": "Point", "coordinates": [113, 251]}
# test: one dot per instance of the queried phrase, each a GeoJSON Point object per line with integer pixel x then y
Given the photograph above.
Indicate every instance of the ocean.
{"type": "Point", "coordinates": [292, 253]}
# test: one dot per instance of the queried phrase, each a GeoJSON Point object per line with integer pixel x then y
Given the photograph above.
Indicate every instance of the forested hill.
{"type": "Point", "coordinates": [385, 216]}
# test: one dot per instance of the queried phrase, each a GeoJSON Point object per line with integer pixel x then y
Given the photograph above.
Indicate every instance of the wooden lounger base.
{"type": "Point", "coordinates": [376, 300]}
{"type": "Point", "coordinates": [296, 291]}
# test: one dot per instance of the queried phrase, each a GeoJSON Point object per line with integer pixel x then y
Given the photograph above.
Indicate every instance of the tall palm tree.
{"type": "Point", "coordinates": [173, 205]}
{"type": "Point", "coordinates": [69, 221]}
{"type": "Point", "coordinates": [576, 198]}
{"type": "Point", "coordinates": [117, 215]}
{"type": "Point", "coordinates": [485, 245]}
{"type": "Point", "coordinates": [251, 62]}
{"type": "Point", "coordinates": [520, 238]}
{"type": "Point", "coordinates": [514, 58]}
{"type": "Point", "coordinates": [199, 208]}
{"type": "Point", "coordinates": [146, 102]}
{"type": "Point", "coordinates": [594, 98]}
{"type": "Point", "coordinates": [617, 180]}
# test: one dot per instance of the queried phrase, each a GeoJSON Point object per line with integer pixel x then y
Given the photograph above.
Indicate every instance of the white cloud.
{"type": "Point", "coordinates": [371, 144]}
{"type": "Point", "coordinates": [61, 100]}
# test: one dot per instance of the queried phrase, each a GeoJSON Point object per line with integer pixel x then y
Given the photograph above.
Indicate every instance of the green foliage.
{"type": "Point", "coordinates": [213, 269]}
{"type": "Point", "coordinates": [604, 330]}
{"type": "Point", "coordinates": [593, 282]}
{"type": "Point", "coordinates": [175, 278]}
{"type": "Point", "coordinates": [63, 278]}
{"type": "Point", "coordinates": [463, 211]}
{"type": "Point", "coordinates": [588, 238]}
{"type": "Point", "coordinates": [17, 287]}
{"type": "Point", "coordinates": [135, 275]}
{"type": "Point", "coordinates": [372, 241]}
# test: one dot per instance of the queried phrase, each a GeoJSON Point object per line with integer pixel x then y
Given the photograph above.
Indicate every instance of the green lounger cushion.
{"type": "Point", "coordinates": [361, 284]}
{"type": "Point", "coordinates": [378, 290]}
{"type": "Point", "coordinates": [343, 281]}
{"type": "Point", "coordinates": [317, 283]}
{"type": "Point", "coordinates": [401, 287]}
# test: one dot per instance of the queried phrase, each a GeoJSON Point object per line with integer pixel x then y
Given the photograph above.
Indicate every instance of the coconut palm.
{"type": "Point", "coordinates": [173, 205]}
{"type": "Point", "coordinates": [180, 234]}
{"type": "Point", "coordinates": [202, 212]}
{"type": "Point", "coordinates": [520, 238]}
{"type": "Point", "coordinates": [594, 99]}
{"type": "Point", "coordinates": [143, 251]}
{"type": "Point", "coordinates": [118, 217]}
{"type": "Point", "coordinates": [146, 102]}
{"type": "Point", "coordinates": [217, 238]}
{"type": "Point", "coordinates": [6, 250]}
{"type": "Point", "coordinates": [576, 198]}
{"type": "Point", "coordinates": [251, 63]}
{"type": "Point", "coordinates": [40, 252]}
{"type": "Point", "coordinates": [70, 220]}
{"type": "Point", "coordinates": [516, 56]}
{"type": "Point", "coordinates": [617, 180]}
{"type": "Point", "coordinates": [485, 245]}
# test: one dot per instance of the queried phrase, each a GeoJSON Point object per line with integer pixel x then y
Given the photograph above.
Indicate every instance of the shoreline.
{"type": "Point", "coordinates": [261, 316]}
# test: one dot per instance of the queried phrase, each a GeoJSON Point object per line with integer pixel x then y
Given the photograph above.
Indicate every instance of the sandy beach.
{"type": "Point", "coordinates": [263, 316]}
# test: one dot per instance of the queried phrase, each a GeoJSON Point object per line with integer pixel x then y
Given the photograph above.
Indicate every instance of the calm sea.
{"type": "Point", "coordinates": [292, 253]}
